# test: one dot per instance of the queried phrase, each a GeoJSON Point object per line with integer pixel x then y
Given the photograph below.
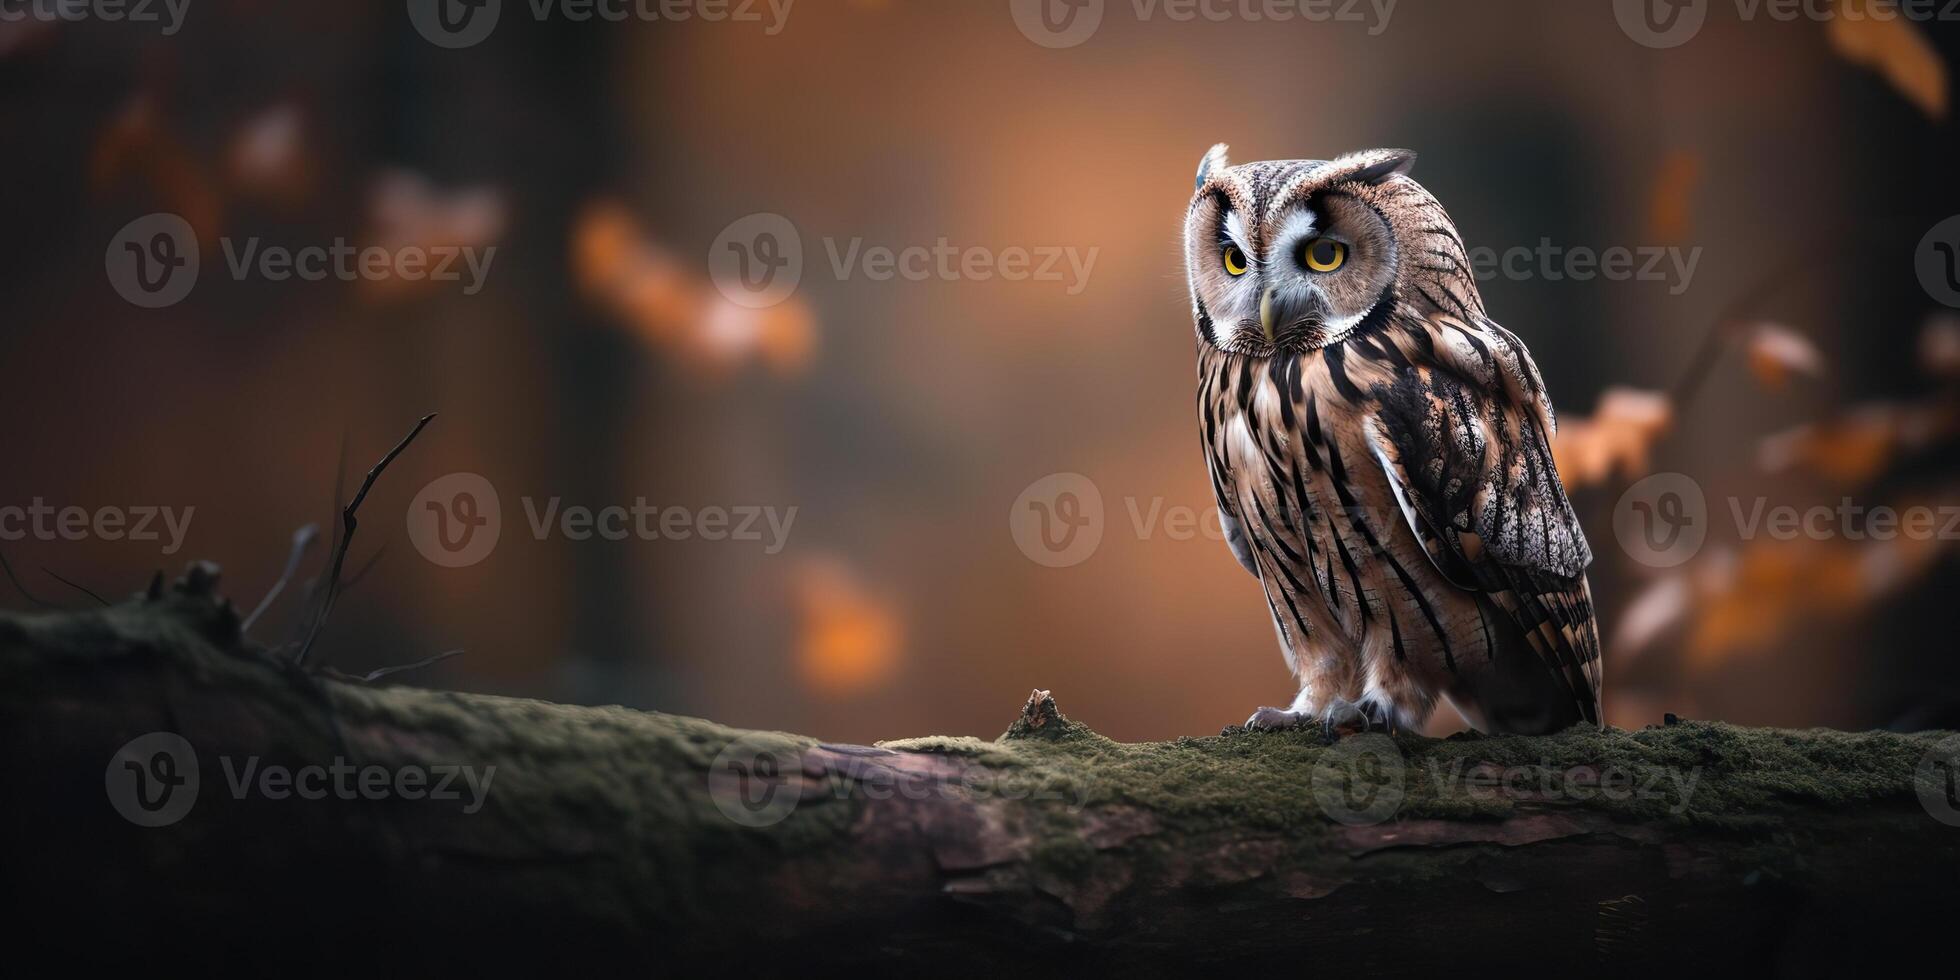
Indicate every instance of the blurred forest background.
{"type": "Point", "coordinates": [1804, 160]}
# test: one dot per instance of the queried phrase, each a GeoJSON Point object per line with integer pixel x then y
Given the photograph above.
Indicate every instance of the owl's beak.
{"type": "Point", "coordinates": [1266, 313]}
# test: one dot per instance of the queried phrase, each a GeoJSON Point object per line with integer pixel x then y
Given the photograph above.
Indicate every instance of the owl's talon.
{"type": "Point", "coordinates": [1341, 718]}
{"type": "Point", "coordinates": [1276, 719]}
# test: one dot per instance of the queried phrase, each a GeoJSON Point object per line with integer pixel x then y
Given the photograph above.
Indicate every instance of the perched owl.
{"type": "Point", "coordinates": [1379, 450]}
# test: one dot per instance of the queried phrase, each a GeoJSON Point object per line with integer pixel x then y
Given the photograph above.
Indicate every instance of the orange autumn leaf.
{"type": "Point", "coordinates": [1617, 438]}
{"type": "Point", "coordinates": [1872, 34]}
{"type": "Point", "coordinates": [268, 157]}
{"type": "Point", "coordinates": [1775, 588]}
{"type": "Point", "coordinates": [23, 34]}
{"type": "Point", "coordinates": [407, 211]}
{"type": "Point", "coordinates": [137, 147]}
{"type": "Point", "coordinates": [1776, 352]}
{"type": "Point", "coordinates": [1651, 613]}
{"type": "Point", "coordinates": [1939, 347]}
{"type": "Point", "coordinates": [848, 638]}
{"type": "Point", "coordinates": [1858, 445]}
{"type": "Point", "coordinates": [677, 310]}
{"type": "Point", "coordinates": [1670, 205]}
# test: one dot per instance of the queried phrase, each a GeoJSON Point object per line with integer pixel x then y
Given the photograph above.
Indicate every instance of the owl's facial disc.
{"type": "Point", "coordinates": [1329, 261]}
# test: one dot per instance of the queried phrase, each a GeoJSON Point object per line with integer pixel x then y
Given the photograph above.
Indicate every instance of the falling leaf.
{"type": "Point", "coordinates": [677, 310]}
{"type": "Point", "coordinates": [1774, 588]}
{"type": "Point", "coordinates": [1617, 438]}
{"type": "Point", "coordinates": [268, 157]}
{"type": "Point", "coordinates": [848, 636]}
{"type": "Point", "coordinates": [23, 33]}
{"type": "Point", "coordinates": [1660, 606]}
{"type": "Point", "coordinates": [138, 147]}
{"type": "Point", "coordinates": [1855, 447]}
{"type": "Point", "coordinates": [1776, 352]}
{"type": "Point", "coordinates": [1939, 347]}
{"type": "Point", "coordinates": [406, 211]}
{"type": "Point", "coordinates": [1873, 34]}
{"type": "Point", "coordinates": [1670, 206]}
{"type": "Point", "coordinates": [1754, 598]}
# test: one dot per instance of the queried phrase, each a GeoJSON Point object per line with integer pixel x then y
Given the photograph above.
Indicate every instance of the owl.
{"type": "Point", "coordinates": [1379, 451]}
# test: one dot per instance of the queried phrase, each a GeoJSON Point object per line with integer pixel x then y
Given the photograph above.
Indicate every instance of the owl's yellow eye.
{"type": "Point", "coordinates": [1234, 260]}
{"type": "Point", "coordinates": [1324, 254]}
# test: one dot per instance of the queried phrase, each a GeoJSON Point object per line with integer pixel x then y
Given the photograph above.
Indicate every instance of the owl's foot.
{"type": "Point", "coordinates": [1341, 717]}
{"type": "Point", "coordinates": [1277, 719]}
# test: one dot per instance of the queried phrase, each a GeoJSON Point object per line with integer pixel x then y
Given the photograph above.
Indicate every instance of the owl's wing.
{"type": "Point", "coordinates": [1464, 437]}
{"type": "Point", "coordinates": [1228, 518]}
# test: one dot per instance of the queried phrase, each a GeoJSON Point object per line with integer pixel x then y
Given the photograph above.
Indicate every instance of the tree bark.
{"type": "Point", "coordinates": [577, 834]}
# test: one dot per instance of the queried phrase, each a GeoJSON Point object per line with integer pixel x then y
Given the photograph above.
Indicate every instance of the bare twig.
{"type": "Point", "coordinates": [77, 586]}
{"type": "Point", "coordinates": [361, 573]}
{"type": "Point", "coordinates": [302, 541]}
{"type": "Point", "coordinates": [308, 607]}
{"type": "Point", "coordinates": [381, 672]}
{"type": "Point", "coordinates": [1721, 333]}
{"type": "Point", "coordinates": [22, 589]}
{"type": "Point", "coordinates": [346, 538]}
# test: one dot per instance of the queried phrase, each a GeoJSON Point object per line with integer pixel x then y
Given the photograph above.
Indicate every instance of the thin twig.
{"type": "Point", "coordinates": [1715, 341]}
{"type": "Point", "coordinates": [348, 524]}
{"type": "Point", "coordinates": [302, 541]}
{"type": "Point", "coordinates": [77, 586]}
{"type": "Point", "coordinates": [361, 573]}
{"type": "Point", "coordinates": [378, 673]}
{"type": "Point", "coordinates": [22, 589]}
{"type": "Point", "coordinates": [308, 608]}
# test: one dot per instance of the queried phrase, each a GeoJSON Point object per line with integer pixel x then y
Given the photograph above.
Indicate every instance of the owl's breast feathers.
{"type": "Point", "coordinates": [1395, 494]}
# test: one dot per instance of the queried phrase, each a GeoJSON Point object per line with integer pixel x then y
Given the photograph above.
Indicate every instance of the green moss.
{"type": "Point", "coordinates": [639, 769]}
{"type": "Point", "coordinates": [1694, 771]}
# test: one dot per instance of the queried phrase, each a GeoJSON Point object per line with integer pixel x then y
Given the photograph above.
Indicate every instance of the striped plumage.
{"type": "Point", "coordinates": [1379, 451]}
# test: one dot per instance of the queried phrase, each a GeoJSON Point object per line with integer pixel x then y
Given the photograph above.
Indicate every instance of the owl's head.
{"type": "Point", "coordinates": [1297, 254]}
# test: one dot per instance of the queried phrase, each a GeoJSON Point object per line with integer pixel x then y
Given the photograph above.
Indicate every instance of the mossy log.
{"type": "Point", "coordinates": [584, 834]}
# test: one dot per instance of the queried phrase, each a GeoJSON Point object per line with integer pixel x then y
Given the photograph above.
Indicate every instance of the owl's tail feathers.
{"type": "Point", "coordinates": [1520, 692]}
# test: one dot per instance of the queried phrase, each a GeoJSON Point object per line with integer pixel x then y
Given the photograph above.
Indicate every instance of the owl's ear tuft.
{"type": "Point", "coordinates": [1375, 166]}
{"type": "Point", "coordinates": [1214, 160]}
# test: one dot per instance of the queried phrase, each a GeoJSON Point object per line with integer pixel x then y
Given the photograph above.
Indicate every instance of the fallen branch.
{"type": "Point", "coordinates": [594, 834]}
